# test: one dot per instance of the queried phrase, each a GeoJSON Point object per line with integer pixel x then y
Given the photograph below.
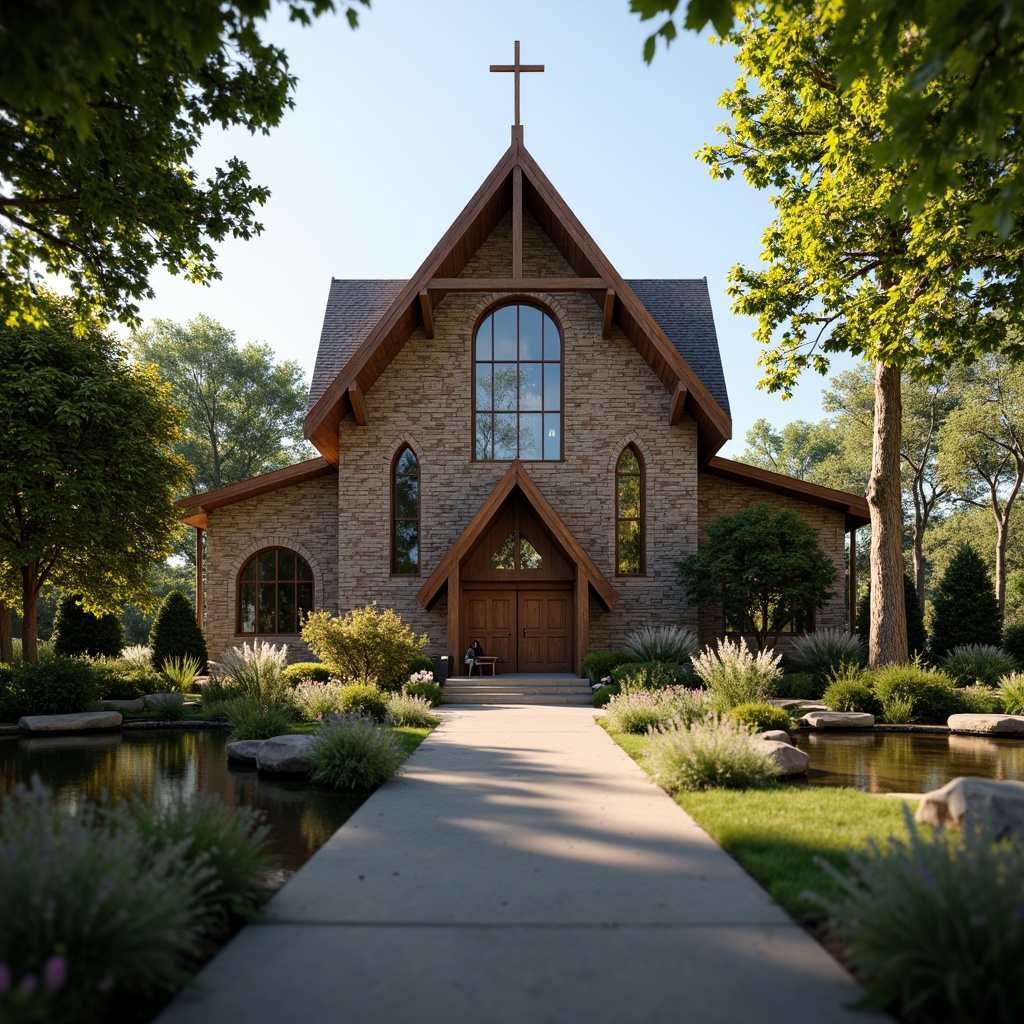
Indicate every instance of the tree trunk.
{"type": "Point", "coordinates": [919, 526]}
{"type": "Point", "coordinates": [29, 646]}
{"type": "Point", "coordinates": [6, 635]}
{"type": "Point", "coordinates": [887, 642]}
{"type": "Point", "coordinates": [1002, 530]}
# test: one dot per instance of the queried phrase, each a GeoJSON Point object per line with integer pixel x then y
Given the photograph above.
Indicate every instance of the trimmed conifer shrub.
{"type": "Point", "coordinates": [917, 636]}
{"type": "Point", "coordinates": [176, 634]}
{"type": "Point", "coordinates": [965, 606]}
{"type": "Point", "coordinates": [77, 632]}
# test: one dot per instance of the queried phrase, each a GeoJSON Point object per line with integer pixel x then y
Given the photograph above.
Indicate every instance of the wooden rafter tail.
{"type": "Point", "coordinates": [427, 309]}
{"type": "Point", "coordinates": [358, 402]}
{"type": "Point", "coordinates": [609, 312]}
{"type": "Point", "coordinates": [678, 404]}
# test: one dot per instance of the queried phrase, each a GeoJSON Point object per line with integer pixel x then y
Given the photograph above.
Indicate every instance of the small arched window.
{"type": "Point", "coordinates": [517, 396]}
{"type": "Point", "coordinates": [275, 590]}
{"type": "Point", "coordinates": [629, 513]}
{"type": "Point", "coordinates": [405, 514]}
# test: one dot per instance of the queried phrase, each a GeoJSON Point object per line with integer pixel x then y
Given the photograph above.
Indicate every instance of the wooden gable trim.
{"type": "Point", "coordinates": [197, 506]}
{"type": "Point", "coordinates": [517, 476]}
{"type": "Point", "coordinates": [853, 506]}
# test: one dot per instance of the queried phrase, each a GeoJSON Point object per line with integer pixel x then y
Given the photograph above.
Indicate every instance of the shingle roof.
{"type": "Point", "coordinates": [681, 308]}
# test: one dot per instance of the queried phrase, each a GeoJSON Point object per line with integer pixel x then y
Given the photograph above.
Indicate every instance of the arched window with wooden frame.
{"type": "Point", "coordinates": [629, 513]}
{"type": "Point", "coordinates": [275, 591]}
{"type": "Point", "coordinates": [405, 513]}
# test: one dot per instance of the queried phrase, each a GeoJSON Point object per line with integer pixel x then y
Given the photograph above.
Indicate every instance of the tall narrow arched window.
{"type": "Point", "coordinates": [405, 514]}
{"type": "Point", "coordinates": [629, 513]}
{"type": "Point", "coordinates": [275, 590]}
{"type": "Point", "coordinates": [517, 396]}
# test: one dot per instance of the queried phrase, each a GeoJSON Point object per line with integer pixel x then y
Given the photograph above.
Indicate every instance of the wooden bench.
{"type": "Point", "coordinates": [483, 662]}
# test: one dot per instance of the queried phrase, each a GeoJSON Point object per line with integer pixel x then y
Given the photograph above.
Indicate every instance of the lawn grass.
{"type": "Point", "coordinates": [777, 833]}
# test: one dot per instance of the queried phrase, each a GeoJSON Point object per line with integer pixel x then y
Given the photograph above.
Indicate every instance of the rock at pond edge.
{"type": "Point", "coordinates": [80, 722]}
{"type": "Point", "coordinates": [244, 751]}
{"type": "Point", "coordinates": [993, 725]}
{"type": "Point", "coordinates": [285, 755]}
{"type": "Point", "coordinates": [838, 720]}
{"type": "Point", "coordinates": [1000, 804]}
{"type": "Point", "coordinates": [791, 760]}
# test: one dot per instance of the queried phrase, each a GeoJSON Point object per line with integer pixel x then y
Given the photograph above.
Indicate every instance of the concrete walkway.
{"type": "Point", "coordinates": [522, 869]}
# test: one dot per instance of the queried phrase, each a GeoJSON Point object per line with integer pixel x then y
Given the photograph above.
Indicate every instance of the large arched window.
{"type": "Point", "coordinates": [405, 514]}
{"type": "Point", "coordinates": [275, 590]}
{"type": "Point", "coordinates": [517, 400]}
{"type": "Point", "coordinates": [629, 513]}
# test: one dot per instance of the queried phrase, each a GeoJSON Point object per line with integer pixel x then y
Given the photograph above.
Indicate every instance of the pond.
{"type": "Point", "coordinates": [162, 765]}
{"type": "Point", "coordinates": [893, 762]}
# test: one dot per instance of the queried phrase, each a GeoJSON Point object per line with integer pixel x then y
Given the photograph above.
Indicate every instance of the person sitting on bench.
{"type": "Point", "coordinates": [475, 651]}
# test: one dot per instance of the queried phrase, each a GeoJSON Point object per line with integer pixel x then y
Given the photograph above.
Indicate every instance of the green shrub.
{"type": "Point", "coordinates": [852, 692]}
{"type": "Point", "coordinates": [671, 644]}
{"type": "Point", "coordinates": [351, 752]}
{"type": "Point", "coordinates": [364, 644]}
{"type": "Point", "coordinates": [640, 710]}
{"type": "Point", "coordinates": [179, 674]}
{"type": "Point", "coordinates": [735, 676]}
{"type": "Point", "coordinates": [980, 699]}
{"type": "Point", "coordinates": [762, 717]}
{"type": "Point", "coordinates": [313, 699]}
{"type": "Point", "coordinates": [598, 665]}
{"type": "Point", "coordinates": [931, 693]}
{"type": "Point", "coordinates": [295, 674]}
{"type": "Point", "coordinates": [977, 663]}
{"type": "Point", "coordinates": [1013, 641]}
{"type": "Point", "coordinates": [431, 691]}
{"type": "Point", "coordinates": [917, 637]}
{"type": "Point", "coordinates": [825, 654]}
{"type": "Point", "coordinates": [119, 908]}
{"type": "Point", "coordinates": [120, 679]}
{"type": "Point", "coordinates": [168, 709]}
{"type": "Point", "coordinates": [176, 634]}
{"type": "Point", "coordinates": [964, 606]}
{"type": "Point", "coordinates": [800, 686]}
{"type": "Point", "coordinates": [420, 663]}
{"type": "Point", "coordinates": [650, 675]}
{"type": "Point", "coordinates": [56, 687]}
{"type": "Point", "coordinates": [366, 699]}
{"type": "Point", "coordinates": [408, 709]}
{"type": "Point", "coordinates": [603, 694]}
{"type": "Point", "coordinates": [934, 926]}
{"type": "Point", "coordinates": [715, 752]}
{"type": "Point", "coordinates": [230, 842]}
{"type": "Point", "coordinates": [8, 702]}
{"type": "Point", "coordinates": [77, 632]}
{"type": "Point", "coordinates": [254, 719]}
{"type": "Point", "coordinates": [256, 672]}
{"type": "Point", "coordinates": [1011, 694]}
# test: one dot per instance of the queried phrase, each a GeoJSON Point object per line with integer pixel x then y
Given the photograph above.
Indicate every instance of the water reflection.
{"type": "Point", "coordinates": [907, 762]}
{"type": "Point", "coordinates": [163, 765]}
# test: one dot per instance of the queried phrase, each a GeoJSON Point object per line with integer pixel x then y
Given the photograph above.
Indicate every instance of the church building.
{"type": "Point", "coordinates": [516, 446]}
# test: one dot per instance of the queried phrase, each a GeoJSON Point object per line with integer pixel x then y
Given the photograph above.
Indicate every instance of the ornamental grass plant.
{"type": "Point", "coordinates": [671, 644]}
{"type": "Point", "coordinates": [409, 709]}
{"type": "Point", "coordinates": [762, 717]}
{"type": "Point", "coordinates": [256, 672]}
{"type": "Point", "coordinates": [913, 693]}
{"type": "Point", "coordinates": [641, 710]}
{"type": "Point", "coordinates": [978, 663]}
{"type": "Point", "coordinates": [651, 675]}
{"type": "Point", "coordinates": [254, 719]}
{"type": "Point", "coordinates": [980, 699]}
{"type": "Point", "coordinates": [352, 752]}
{"type": "Point", "coordinates": [852, 692]}
{"type": "Point", "coordinates": [826, 653]}
{"type": "Point", "coordinates": [1011, 693]}
{"type": "Point", "coordinates": [934, 925]}
{"type": "Point", "coordinates": [733, 675]}
{"type": "Point", "coordinates": [715, 752]}
{"type": "Point", "coordinates": [313, 699]}
{"type": "Point", "coordinates": [180, 673]}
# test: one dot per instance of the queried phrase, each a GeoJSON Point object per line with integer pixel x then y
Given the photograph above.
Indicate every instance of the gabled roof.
{"type": "Point", "coordinates": [516, 183]}
{"type": "Point", "coordinates": [517, 478]}
{"type": "Point", "coordinates": [853, 506]}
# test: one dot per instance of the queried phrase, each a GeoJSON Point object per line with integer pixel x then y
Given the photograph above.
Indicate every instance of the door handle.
{"type": "Point", "coordinates": [524, 632]}
{"type": "Point", "coordinates": [508, 634]}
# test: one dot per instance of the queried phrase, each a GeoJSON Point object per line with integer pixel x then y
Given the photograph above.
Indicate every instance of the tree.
{"type": "Point", "coordinates": [958, 95]}
{"type": "Point", "coordinates": [765, 566]}
{"type": "Point", "coordinates": [101, 110]}
{"type": "Point", "coordinates": [77, 632]}
{"type": "Point", "coordinates": [917, 635]}
{"type": "Point", "coordinates": [982, 446]}
{"type": "Point", "coordinates": [87, 470]}
{"type": "Point", "coordinates": [797, 450]}
{"type": "Point", "coordinates": [176, 632]}
{"type": "Point", "coordinates": [243, 413]}
{"type": "Point", "coordinates": [905, 290]}
{"type": "Point", "coordinates": [965, 607]}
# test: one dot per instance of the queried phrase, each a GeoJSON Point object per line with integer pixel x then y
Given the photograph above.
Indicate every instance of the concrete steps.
{"type": "Point", "coordinates": [520, 688]}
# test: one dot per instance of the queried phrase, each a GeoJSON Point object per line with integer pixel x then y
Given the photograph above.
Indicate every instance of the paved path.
{"type": "Point", "coordinates": [522, 869]}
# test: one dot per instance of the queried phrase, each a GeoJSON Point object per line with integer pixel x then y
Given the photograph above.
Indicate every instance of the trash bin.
{"type": "Point", "coordinates": [440, 669]}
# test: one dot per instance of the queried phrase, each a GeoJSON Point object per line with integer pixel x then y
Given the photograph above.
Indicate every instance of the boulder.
{"type": "Point", "coordinates": [838, 720]}
{"type": "Point", "coordinates": [244, 751]}
{"type": "Point", "coordinates": [122, 705]}
{"type": "Point", "coordinates": [780, 735]}
{"type": "Point", "coordinates": [82, 722]}
{"type": "Point", "coordinates": [998, 804]}
{"type": "Point", "coordinates": [790, 759]}
{"type": "Point", "coordinates": [285, 755]}
{"type": "Point", "coordinates": [994, 725]}
{"type": "Point", "coordinates": [152, 699]}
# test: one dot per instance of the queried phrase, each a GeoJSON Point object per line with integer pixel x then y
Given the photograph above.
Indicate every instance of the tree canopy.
{"type": "Point", "coordinates": [87, 467]}
{"type": "Point", "coordinates": [102, 108]}
{"type": "Point", "coordinates": [243, 412]}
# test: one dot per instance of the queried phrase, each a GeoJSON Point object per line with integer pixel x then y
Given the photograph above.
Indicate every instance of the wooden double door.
{"type": "Point", "coordinates": [527, 628]}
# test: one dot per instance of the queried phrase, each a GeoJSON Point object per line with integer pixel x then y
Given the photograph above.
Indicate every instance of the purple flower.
{"type": "Point", "coordinates": [28, 984]}
{"type": "Point", "coordinates": [55, 973]}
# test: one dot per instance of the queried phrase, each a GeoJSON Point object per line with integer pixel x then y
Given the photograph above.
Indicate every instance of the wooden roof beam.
{"type": "Point", "coordinates": [427, 309]}
{"type": "Point", "coordinates": [517, 221]}
{"type": "Point", "coordinates": [357, 400]}
{"type": "Point", "coordinates": [513, 284]}
{"type": "Point", "coordinates": [609, 309]}
{"type": "Point", "coordinates": [678, 404]}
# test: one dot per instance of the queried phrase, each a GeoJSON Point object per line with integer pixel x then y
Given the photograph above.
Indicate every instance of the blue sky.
{"type": "Point", "coordinates": [396, 124]}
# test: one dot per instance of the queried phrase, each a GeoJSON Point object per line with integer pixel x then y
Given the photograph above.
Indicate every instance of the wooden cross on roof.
{"type": "Point", "coordinates": [516, 68]}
